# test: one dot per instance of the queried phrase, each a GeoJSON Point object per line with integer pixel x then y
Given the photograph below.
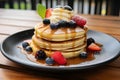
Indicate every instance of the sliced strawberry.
{"type": "Point", "coordinates": [94, 47]}
{"type": "Point", "coordinates": [48, 12]}
{"type": "Point", "coordinates": [59, 58]}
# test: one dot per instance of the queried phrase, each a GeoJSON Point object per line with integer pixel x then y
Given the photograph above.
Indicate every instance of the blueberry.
{"type": "Point", "coordinates": [67, 8]}
{"type": "Point", "coordinates": [83, 55]}
{"type": "Point", "coordinates": [62, 23]}
{"type": "Point", "coordinates": [49, 61]}
{"type": "Point", "coordinates": [53, 26]}
{"type": "Point", "coordinates": [25, 44]}
{"type": "Point", "coordinates": [46, 21]}
{"type": "Point", "coordinates": [72, 24]}
{"type": "Point", "coordinates": [28, 49]}
{"type": "Point", "coordinates": [89, 41]}
{"type": "Point", "coordinates": [40, 54]}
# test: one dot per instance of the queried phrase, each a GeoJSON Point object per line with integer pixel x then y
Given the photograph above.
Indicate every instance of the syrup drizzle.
{"type": "Point", "coordinates": [70, 61]}
{"type": "Point", "coordinates": [65, 32]}
{"type": "Point", "coordinates": [52, 32]}
{"type": "Point", "coordinates": [73, 36]}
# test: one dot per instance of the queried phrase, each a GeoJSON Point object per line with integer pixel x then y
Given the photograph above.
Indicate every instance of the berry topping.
{"type": "Point", "coordinates": [40, 54]}
{"type": "Point", "coordinates": [28, 49]}
{"type": "Point", "coordinates": [46, 21]}
{"type": "Point", "coordinates": [79, 20]}
{"type": "Point", "coordinates": [67, 7]}
{"type": "Point", "coordinates": [62, 23]}
{"type": "Point", "coordinates": [94, 47]}
{"type": "Point", "coordinates": [83, 55]}
{"type": "Point", "coordinates": [89, 41]}
{"type": "Point", "coordinates": [49, 61]}
{"type": "Point", "coordinates": [72, 24]}
{"type": "Point", "coordinates": [25, 44]}
{"type": "Point", "coordinates": [53, 26]}
{"type": "Point", "coordinates": [48, 13]}
{"type": "Point", "coordinates": [59, 58]}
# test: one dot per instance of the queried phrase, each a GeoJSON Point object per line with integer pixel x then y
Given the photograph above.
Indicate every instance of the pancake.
{"type": "Point", "coordinates": [58, 45]}
{"type": "Point", "coordinates": [69, 40]}
{"type": "Point", "coordinates": [66, 54]}
{"type": "Point", "coordinates": [62, 34]}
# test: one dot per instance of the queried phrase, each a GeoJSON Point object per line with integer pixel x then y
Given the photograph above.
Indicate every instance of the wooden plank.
{"type": "Point", "coordinates": [90, 22]}
{"type": "Point", "coordinates": [15, 75]}
{"type": "Point", "coordinates": [18, 22]}
{"type": "Point", "coordinates": [30, 13]}
{"type": "Point", "coordinates": [24, 18]}
{"type": "Point", "coordinates": [2, 37]}
{"type": "Point", "coordinates": [103, 23]}
{"type": "Point", "coordinates": [116, 36]}
{"type": "Point", "coordinates": [8, 30]}
{"type": "Point", "coordinates": [13, 12]}
{"type": "Point", "coordinates": [102, 29]}
{"type": "Point", "coordinates": [98, 17]}
{"type": "Point", "coordinates": [115, 63]}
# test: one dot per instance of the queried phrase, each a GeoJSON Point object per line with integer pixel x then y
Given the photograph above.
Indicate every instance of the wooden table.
{"type": "Point", "coordinates": [12, 21]}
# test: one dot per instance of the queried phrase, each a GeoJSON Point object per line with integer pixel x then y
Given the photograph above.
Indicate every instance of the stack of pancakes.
{"type": "Point", "coordinates": [70, 41]}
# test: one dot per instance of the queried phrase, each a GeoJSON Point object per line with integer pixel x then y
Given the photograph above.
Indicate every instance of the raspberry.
{"type": "Point", "coordinates": [59, 58]}
{"type": "Point", "coordinates": [80, 21]}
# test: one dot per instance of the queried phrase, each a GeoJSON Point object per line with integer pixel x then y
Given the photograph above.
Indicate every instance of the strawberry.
{"type": "Point", "coordinates": [80, 21]}
{"type": "Point", "coordinates": [94, 47]}
{"type": "Point", "coordinates": [48, 13]}
{"type": "Point", "coordinates": [59, 58]}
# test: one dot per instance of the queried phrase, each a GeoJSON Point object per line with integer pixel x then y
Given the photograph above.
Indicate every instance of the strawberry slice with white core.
{"type": "Point", "coordinates": [94, 47]}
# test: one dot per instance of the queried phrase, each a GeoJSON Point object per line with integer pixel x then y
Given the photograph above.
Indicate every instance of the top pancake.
{"type": "Point", "coordinates": [61, 34]}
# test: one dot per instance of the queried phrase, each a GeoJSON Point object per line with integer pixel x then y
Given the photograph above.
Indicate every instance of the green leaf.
{"type": "Point", "coordinates": [41, 10]}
